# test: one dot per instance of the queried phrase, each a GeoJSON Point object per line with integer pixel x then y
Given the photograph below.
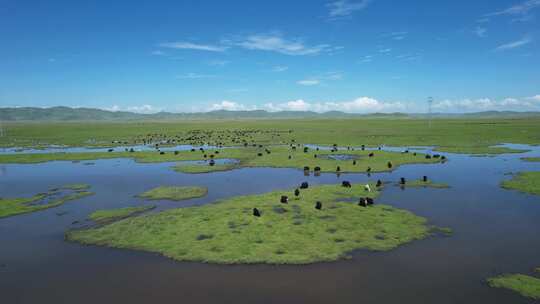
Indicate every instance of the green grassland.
{"type": "Point", "coordinates": [109, 215]}
{"type": "Point", "coordinates": [425, 184]}
{"type": "Point", "coordinates": [452, 135]}
{"type": "Point", "coordinates": [526, 286]}
{"type": "Point", "coordinates": [174, 193]}
{"type": "Point", "coordinates": [16, 206]}
{"type": "Point", "coordinates": [531, 159]}
{"type": "Point", "coordinates": [528, 182]}
{"type": "Point", "coordinates": [247, 157]}
{"type": "Point", "coordinates": [227, 232]}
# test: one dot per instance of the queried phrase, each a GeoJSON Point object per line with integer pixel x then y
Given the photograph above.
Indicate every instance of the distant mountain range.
{"type": "Point", "coordinates": [88, 114]}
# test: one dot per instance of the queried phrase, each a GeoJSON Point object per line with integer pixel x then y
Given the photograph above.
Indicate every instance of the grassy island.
{"type": "Point", "coordinates": [528, 182]}
{"type": "Point", "coordinates": [174, 193]}
{"type": "Point", "coordinates": [53, 198]}
{"type": "Point", "coordinates": [525, 285]}
{"type": "Point", "coordinates": [228, 232]}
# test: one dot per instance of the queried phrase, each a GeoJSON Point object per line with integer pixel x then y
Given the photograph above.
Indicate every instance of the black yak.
{"type": "Point", "coordinates": [371, 154]}
{"type": "Point", "coordinates": [425, 179]}
{"type": "Point", "coordinates": [379, 183]}
{"type": "Point", "coordinates": [362, 202]}
{"type": "Point", "coordinates": [318, 205]}
{"type": "Point", "coordinates": [296, 192]}
{"type": "Point", "coordinates": [389, 165]}
{"type": "Point", "coordinates": [256, 212]}
{"type": "Point", "coordinates": [284, 199]}
{"type": "Point", "coordinates": [370, 201]}
{"type": "Point", "coordinates": [354, 162]}
{"type": "Point", "coordinates": [346, 184]}
{"type": "Point", "coordinates": [306, 168]}
{"type": "Point", "coordinates": [338, 169]}
{"type": "Point", "coordinates": [402, 181]}
{"type": "Point", "coordinates": [304, 185]}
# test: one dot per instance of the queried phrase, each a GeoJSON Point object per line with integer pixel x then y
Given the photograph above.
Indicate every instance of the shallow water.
{"type": "Point", "coordinates": [495, 231]}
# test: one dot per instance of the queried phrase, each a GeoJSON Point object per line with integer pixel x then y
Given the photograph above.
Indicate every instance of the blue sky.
{"type": "Point", "coordinates": [354, 56]}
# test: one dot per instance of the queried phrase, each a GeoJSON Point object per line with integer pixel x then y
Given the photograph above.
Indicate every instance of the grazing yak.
{"type": "Point", "coordinates": [367, 188]}
{"type": "Point", "coordinates": [284, 199]}
{"type": "Point", "coordinates": [256, 212]}
{"type": "Point", "coordinates": [306, 149]}
{"type": "Point", "coordinates": [338, 169]}
{"type": "Point", "coordinates": [346, 184]}
{"type": "Point", "coordinates": [317, 169]}
{"type": "Point", "coordinates": [318, 205]}
{"type": "Point", "coordinates": [304, 185]}
{"type": "Point", "coordinates": [363, 147]}
{"type": "Point", "coordinates": [290, 157]}
{"type": "Point", "coordinates": [161, 153]}
{"type": "Point", "coordinates": [371, 154]}
{"type": "Point", "coordinates": [402, 181]}
{"type": "Point", "coordinates": [368, 170]}
{"type": "Point", "coordinates": [379, 183]}
{"type": "Point", "coordinates": [424, 179]}
{"type": "Point", "coordinates": [110, 150]}
{"type": "Point", "coordinates": [296, 192]}
{"type": "Point", "coordinates": [428, 156]}
{"type": "Point", "coordinates": [362, 202]}
{"type": "Point", "coordinates": [176, 152]}
{"type": "Point", "coordinates": [354, 162]}
{"type": "Point", "coordinates": [306, 168]}
{"type": "Point", "coordinates": [389, 165]}
{"type": "Point", "coordinates": [212, 162]}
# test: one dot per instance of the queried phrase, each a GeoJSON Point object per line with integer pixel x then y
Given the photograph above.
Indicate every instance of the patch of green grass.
{"type": "Point", "coordinates": [249, 157]}
{"type": "Point", "coordinates": [76, 187]}
{"type": "Point", "coordinates": [227, 232]}
{"type": "Point", "coordinates": [524, 285]}
{"type": "Point", "coordinates": [531, 159]}
{"type": "Point", "coordinates": [479, 150]}
{"type": "Point", "coordinates": [174, 193]}
{"type": "Point", "coordinates": [116, 214]}
{"type": "Point", "coordinates": [452, 135]}
{"type": "Point", "coordinates": [16, 206]}
{"type": "Point", "coordinates": [203, 168]}
{"type": "Point", "coordinates": [528, 182]}
{"type": "Point", "coordinates": [426, 184]}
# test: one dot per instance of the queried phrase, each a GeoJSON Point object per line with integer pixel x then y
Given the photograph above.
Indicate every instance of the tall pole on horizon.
{"type": "Point", "coordinates": [430, 102]}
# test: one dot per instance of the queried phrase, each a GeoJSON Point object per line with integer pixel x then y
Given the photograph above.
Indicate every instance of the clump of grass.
{"type": "Point", "coordinates": [115, 214]}
{"type": "Point", "coordinates": [203, 168]}
{"type": "Point", "coordinates": [524, 285]}
{"type": "Point", "coordinates": [174, 193]}
{"type": "Point", "coordinates": [426, 184]}
{"type": "Point", "coordinates": [16, 206]}
{"type": "Point", "coordinates": [528, 182]}
{"type": "Point", "coordinates": [531, 159]}
{"type": "Point", "coordinates": [301, 235]}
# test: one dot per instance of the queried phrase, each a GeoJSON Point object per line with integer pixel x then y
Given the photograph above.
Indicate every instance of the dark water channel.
{"type": "Point", "coordinates": [495, 231]}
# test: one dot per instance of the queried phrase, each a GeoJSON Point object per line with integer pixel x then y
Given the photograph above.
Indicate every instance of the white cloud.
{"type": "Point", "coordinates": [279, 68]}
{"type": "Point", "coordinates": [194, 76]}
{"type": "Point", "coordinates": [193, 46]}
{"type": "Point", "coordinates": [514, 44]}
{"type": "Point", "coordinates": [485, 104]}
{"type": "Point", "coordinates": [396, 35]}
{"type": "Point", "coordinates": [143, 109]}
{"type": "Point", "coordinates": [358, 105]}
{"type": "Point", "coordinates": [535, 98]}
{"type": "Point", "coordinates": [308, 82]}
{"type": "Point", "coordinates": [518, 9]}
{"type": "Point", "coordinates": [315, 80]}
{"type": "Point", "coordinates": [218, 62]}
{"type": "Point", "coordinates": [345, 8]}
{"type": "Point", "coordinates": [274, 42]}
{"type": "Point", "coordinates": [229, 106]}
{"type": "Point", "coordinates": [480, 32]}
{"type": "Point", "coordinates": [366, 59]}
{"type": "Point", "coordinates": [158, 53]}
{"type": "Point", "coordinates": [384, 51]}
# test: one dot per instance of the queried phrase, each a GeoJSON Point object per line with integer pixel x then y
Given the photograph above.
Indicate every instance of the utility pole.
{"type": "Point", "coordinates": [430, 103]}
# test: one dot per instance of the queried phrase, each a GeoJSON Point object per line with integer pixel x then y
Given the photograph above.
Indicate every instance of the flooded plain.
{"type": "Point", "coordinates": [494, 231]}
